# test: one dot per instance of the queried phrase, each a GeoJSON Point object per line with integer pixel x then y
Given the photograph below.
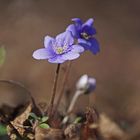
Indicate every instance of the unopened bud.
{"type": "Point", "coordinates": [86, 84]}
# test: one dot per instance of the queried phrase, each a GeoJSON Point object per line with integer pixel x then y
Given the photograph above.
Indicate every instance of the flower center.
{"type": "Point", "coordinates": [59, 50]}
{"type": "Point", "coordinates": [85, 36]}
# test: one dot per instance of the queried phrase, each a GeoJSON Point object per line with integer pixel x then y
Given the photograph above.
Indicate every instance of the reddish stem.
{"type": "Point", "coordinates": [54, 90]}
{"type": "Point", "coordinates": [63, 84]}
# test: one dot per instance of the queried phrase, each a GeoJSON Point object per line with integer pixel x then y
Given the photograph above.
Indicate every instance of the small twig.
{"type": "Point", "coordinates": [16, 83]}
{"type": "Point", "coordinates": [66, 74]}
{"type": "Point", "coordinates": [54, 90]}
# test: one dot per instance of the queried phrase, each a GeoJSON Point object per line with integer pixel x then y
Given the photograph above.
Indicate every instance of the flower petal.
{"type": "Point", "coordinates": [92, 83]}
{"type": "Point", "coordinates": [78, 24]}
{"type": "Point", "coordinates": [60, 39]}
{"type": "Point", "coordinates": [70, 55]}
{"type": "Point", "coordinates": [48, 41]}
{"type": "Point", "coordinates": [73, 29]}
{"type": "Point", "coordinates": [77, 49]}
{"type": "Point", "coordinates": [88, 29]}
{"type": "Point", "coordinates": [91, 45]}
{"type": "Point", "coordinates": [64, 38]}
{"type": "Point", "coordinates": [69, 39]}
{"type": "Point", "coordinates": [84, 43]}
{"type": "Point", "coordinates": [57, 59]}
{"type": "Point", "coordinates": [94, 48]}
{"type": "Point", "coordinates": [77, 21]}
{"type": "Point", "coordinates": [42, 53]}
{"type": "Point", "coordinates": [89, 22]}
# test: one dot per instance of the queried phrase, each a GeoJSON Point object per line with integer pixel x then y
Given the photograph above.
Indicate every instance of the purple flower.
{"type": "Point", "coordinates": [85, 32]}
{"type": "Point", "coordinates": [59, 49]}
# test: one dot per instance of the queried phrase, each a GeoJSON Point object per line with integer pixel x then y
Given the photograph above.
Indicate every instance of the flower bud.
{"type": "Point", "coordinates": [86, 84]}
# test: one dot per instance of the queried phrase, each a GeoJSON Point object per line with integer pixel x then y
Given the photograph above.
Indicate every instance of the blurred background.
{"type": "Point", "coordinates": [25, 23]}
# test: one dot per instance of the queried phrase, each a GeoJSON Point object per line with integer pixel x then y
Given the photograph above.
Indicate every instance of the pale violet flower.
{"type": "Point", "coordinates": [59, 49]}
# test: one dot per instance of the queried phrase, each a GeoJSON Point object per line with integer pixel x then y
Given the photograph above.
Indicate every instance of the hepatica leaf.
{"type": "Point", "coordinates": [33, 116]}
{"type": "Point", "coordinates": [44, 125]}
{"type": "Point", "coordinates": [2, 55]}
{"type": "Point", "coordinates": [44, 119]}
{"type": "Point", "coordinates": [3, 130]}
{"type": "Point", "coordinates": [77, 120]}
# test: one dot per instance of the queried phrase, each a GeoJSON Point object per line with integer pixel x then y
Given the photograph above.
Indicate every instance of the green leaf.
{"type": "Point", "coordinates": [44, 119]}
{"type": "Point", "coordinates": [44, 125]}
{"type": "Point", "coordinates": [3, 130]}
{"type": "Point", "coordinates": [2, 55]}
{"type": "Point", "coordinates": [33, 116]}
{"type": "Point", "coordinates": [77, 120]}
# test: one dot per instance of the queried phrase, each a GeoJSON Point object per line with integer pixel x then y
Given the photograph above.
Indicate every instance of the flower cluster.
{"type": "Point", "coordinates": [68, 45]}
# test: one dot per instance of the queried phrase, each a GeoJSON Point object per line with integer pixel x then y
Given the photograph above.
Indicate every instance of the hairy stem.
{"type": "Point", "coordinates": [71, 106]}
{"type": "Point", "coordinates": [54, 89]}
{"type": "Point", "coordinates": [63, 84]}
